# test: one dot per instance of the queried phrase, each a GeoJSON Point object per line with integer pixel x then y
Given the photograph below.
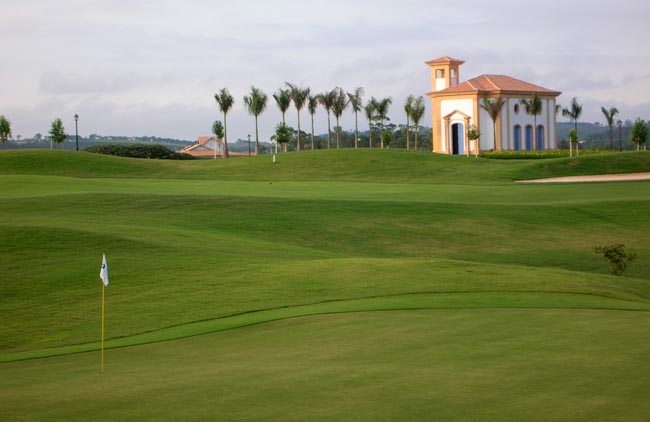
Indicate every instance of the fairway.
{"type": "Point", "coordinates": [334, 285]}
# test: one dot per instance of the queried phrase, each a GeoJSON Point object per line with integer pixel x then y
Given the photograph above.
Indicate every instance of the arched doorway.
{"type": "Point", "coordinates": [540, 138]}
{"type": "Point", "coordinates": [529, 138]}
{"type": "Point", "coordinates": [457, 139]}
{"type": "Point", "coordinates": [517, 138]}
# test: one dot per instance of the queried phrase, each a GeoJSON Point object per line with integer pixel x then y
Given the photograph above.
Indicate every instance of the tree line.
{"type": "Point", "coordinates": [334, 102]}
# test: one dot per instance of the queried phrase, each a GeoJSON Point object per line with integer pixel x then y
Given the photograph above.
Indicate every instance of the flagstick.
{"type": "Point", "coordinates": [103, 287]}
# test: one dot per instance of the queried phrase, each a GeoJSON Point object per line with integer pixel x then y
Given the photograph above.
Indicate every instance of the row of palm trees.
{"type": "Point", "coordinates": [334, 102]}
{"type": "Point", "coordinates": [534, 107]}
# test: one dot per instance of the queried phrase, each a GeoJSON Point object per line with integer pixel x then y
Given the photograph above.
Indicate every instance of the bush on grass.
{"type": "Point", "coordinates": [139, 151]}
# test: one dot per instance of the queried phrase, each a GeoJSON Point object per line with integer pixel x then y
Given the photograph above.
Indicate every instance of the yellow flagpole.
{"type": "Point", "coordinates": [103, 287]}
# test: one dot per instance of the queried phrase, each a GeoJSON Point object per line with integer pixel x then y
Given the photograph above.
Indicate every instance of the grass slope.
{"type": "Point", "coordinates": [204, 246]}
{"type": "Point", "coordinates": [376, 166]}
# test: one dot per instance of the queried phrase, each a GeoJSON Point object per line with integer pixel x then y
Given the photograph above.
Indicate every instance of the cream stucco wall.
{"type": "Point", "coordinates": [465, 106]}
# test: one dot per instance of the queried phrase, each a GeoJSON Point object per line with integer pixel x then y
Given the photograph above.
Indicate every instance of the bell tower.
{"type": "Point", "coordinates": [444, 72]}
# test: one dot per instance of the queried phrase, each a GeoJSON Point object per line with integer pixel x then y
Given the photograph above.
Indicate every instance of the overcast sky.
{"type": "Point", "coordinates": [144, 67]}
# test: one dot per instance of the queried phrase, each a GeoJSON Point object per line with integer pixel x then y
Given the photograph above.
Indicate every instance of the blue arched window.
{"type": "Point", "coordinates": [517, 138]}
{"type": "Point", "coordinates": [529, 138]}
{"type": "Point", "coordinates": [540, 137]}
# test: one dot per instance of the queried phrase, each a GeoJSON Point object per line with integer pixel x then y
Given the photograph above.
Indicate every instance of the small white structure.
{"type": "Point", "coordinates": [205, 147]}
{"type": "Point", "coordinates": [457, 105]}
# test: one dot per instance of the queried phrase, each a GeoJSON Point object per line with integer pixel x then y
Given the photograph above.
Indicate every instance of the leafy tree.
{"type": "Point", "coordinates": [282, 133]}
{"type": "Point", "coordinates": [573, 112]}
{"type": "Point", "coordinates": [57, 133]}
{"type": "Point", "coordinates": [473, 134]}
{"type": "Point", "coordinates": [225, 101]}
{"type": "Point", "coordinates": [408, 109]}
{"type": "Point", "coordinates": [533, 107]}
{"type": "Point", "coordinates": [338, 106]}
{"type": "Point", "coordinates": [256, 104]}
{"type": "Point", "coordinates": [356, 104]}
{"type": "Point", "coordinates": [639, 134]}
{"type": "Point", "coordinates": [299, 96]}
{"type": "Point", "coordinates": [312, 105]}
{"type": "Point", "coordinates": [217, 129]}
{"type": "Point", "coordinates": [493, 109]}
{"type": "Point", "coordinates": [417, 111]}
{"type": "Point", "coordinates": [386, 136]}
{"type": "Point", "coordinates": [609, 117]}
{"type": "Point", "coordinates": [370, 115]}
{"type": "Point", "coordinates": [616, 256]}
{"type": "Point", "coordinates": [381, 112]}
{"type": "Point", "coordinates": [5, 131]}
{"type": "Point", "coordinates": [327, 100]}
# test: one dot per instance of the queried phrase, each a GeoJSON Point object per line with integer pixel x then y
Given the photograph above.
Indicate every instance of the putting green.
{"type": "Point", "coordinates": [484, 365]}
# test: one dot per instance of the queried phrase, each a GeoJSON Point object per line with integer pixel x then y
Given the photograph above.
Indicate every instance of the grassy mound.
{"type": "Point", "coordinates": [375, 166]}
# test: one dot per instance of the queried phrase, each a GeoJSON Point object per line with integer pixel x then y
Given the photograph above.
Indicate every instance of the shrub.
{"type": "Point", "coordinates": [534, 155]}
{"type": "Point", "coordinates": [616, 256]}
{"type": "Point", "coordinates": [139, 151]}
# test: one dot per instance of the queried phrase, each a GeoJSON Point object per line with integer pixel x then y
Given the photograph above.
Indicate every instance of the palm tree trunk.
{"type": "Point", "coordinates": [381, 134]}
{"type": "Point", "coordinates": [298, 139]}
{"type": "Point", "coordinates": [312, 132]}
{"type": "Point", "coordinates": [611, 136]}
{"type": "Point", "coordinates": [356, 130]}
{"type": "Point", "coordinates": [338, 131]}
{"type": "Point", "coordinates": [494, 133]}
{"type": "Point", "coordinates": [329, 131]}
{"type": "Point", "coordinates": [407, 134]}
{"type": "Point", "coordinates": [225, 137]}
{"type": "Point", "coordinates": [415, 146]}
{"type": "Point", "coordinates": [257, 137]}
{"type": "Point", "coordinates": [535, 129]}
{"type": "Point", "coordinates": [369, 134]}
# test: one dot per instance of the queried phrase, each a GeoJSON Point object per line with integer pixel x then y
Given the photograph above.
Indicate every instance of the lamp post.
{"type": "Point", "coordinates": [249, 144]}
{"type": "Point", "coordinates": [619, 123]}
{"type": "Point", "coordinates": [76, 129]}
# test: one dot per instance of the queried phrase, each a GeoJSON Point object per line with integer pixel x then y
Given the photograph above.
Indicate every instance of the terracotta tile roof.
{"type": "Point", "coordinates": [495, 84]}
{"type": "Point", "coordinates": [444, 60]}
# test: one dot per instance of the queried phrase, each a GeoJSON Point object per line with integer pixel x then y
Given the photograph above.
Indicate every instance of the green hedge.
{"type": "Point", "coordinates": [537, 155]}
{"type": "Point", "coordinates": [139, 151]}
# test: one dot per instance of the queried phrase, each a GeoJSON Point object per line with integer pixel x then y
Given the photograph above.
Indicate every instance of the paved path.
{"type": "Point", "coordinates": [594, 178]}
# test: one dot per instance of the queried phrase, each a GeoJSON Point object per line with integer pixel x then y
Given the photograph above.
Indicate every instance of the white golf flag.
{"type": "Point", "coordinates": [103, 273]}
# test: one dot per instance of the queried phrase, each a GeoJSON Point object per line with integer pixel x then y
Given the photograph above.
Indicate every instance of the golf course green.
{"type": "Point", "coordinates": [365, 285]}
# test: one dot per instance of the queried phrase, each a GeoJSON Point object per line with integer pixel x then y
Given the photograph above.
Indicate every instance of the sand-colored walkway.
{"type": "Point", "coordinates": [592, 178]}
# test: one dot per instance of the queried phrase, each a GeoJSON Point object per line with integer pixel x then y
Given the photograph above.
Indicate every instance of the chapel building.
{"type": "Point", "coordinates": [457, 105]}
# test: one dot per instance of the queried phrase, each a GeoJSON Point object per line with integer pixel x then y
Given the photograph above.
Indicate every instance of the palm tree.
{"type": "Point", "coordinates": [283, 100]}
{"type": "Point", "coordinates": [370, 115]}
{"type": "Point", "coordinates": [299, 96]}
{"type": "Point", "coordinates": [327, 100]}
{"type": "Point", "coordinates": [312, 105]}
{"type": "Point", "coordinates": [225, 101]}
{"type": "Point", "coordinates": [494, 109]}
{"type": "Point", "coordinates": [534, 107]}
{"type": "Point", "coordinates": [338, 106]}
{"type": "Point", "coordinates": [381, 113]}
{"type": "Point", "coordinates": [573, 112]}
{"type": "Point", "coordinates": [256, 104]}
{"type": "Point", "coordinates": [417, 111]}
{"type": "Point", "coordinates": [609, 116]}
{"type": "Point", "coordinates": [408, 109]}
{"type": "Point", "coordinates": [356, 103]}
